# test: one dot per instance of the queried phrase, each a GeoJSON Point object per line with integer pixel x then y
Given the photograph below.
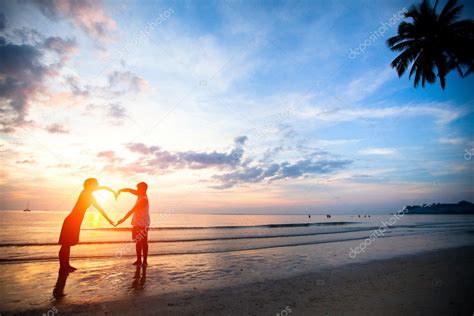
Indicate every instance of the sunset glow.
{"type": "Point", "coordinates": [227, 119]}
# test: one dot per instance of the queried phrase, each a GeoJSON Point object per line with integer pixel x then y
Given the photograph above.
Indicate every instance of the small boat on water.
{"type": "Point", "coordinates": [27, 209]}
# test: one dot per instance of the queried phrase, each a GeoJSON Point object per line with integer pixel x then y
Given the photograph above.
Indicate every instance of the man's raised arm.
{"type": "Point", "coordinates": [134, 192]}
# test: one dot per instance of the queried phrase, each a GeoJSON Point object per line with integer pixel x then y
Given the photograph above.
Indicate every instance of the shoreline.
{"type": "Point", "coordinates": [435, 282]}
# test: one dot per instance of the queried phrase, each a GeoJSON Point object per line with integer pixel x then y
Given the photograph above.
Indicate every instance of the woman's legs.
{"type": "Point", "coordinates": [62, 264]}
{"type": "Point", "coordinates": [71, 268]}
{"type": "Point", "coordinates": [64, 254]}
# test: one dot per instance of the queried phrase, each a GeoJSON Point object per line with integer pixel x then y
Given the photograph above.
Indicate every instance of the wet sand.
{"type": "Point", "coordinates": [434, 283]}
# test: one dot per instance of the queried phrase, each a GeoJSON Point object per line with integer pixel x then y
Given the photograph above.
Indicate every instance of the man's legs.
{"type": "Point", "coordinates": [138, 249]}
{"type": "Point", "coordinates": [144, 240]}
{"type": "Point", "coordinates": [145, 250]}
{"type": "Point", "coordinates": [138, 244]}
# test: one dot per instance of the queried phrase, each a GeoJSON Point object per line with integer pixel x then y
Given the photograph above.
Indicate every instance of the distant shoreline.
{"type": "Point", "coordinates": [461, 208]}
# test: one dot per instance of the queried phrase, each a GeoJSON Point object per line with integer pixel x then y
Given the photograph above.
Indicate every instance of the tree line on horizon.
{"type": "Point", "coordinates": [462, 207]}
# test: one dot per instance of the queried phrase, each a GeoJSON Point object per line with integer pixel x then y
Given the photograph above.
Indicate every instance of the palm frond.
{"type": "Point", "coordinates": [450, 12]}
{"type": "Point", "coordinates": [401, 62]}
{"type": "Point", "coordinates": [433, 44]}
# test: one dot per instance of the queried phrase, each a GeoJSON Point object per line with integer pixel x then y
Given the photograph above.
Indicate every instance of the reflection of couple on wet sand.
{"type": "Point", "coordinates": [72, 223]}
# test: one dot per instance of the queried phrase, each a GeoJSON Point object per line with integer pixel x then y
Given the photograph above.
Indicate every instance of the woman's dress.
{"type": "Point", "coordinates": [72, 223]}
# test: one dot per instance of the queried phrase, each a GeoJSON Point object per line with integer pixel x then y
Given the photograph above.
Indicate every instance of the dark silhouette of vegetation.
{"type": "Point", "coordinates": [434, 42]}
{"type": "Point", "coordinates": [463, 207]}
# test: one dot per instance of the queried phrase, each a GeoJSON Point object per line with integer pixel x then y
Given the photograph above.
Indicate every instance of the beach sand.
{"type": "Point", "coordinates": [439, 282]}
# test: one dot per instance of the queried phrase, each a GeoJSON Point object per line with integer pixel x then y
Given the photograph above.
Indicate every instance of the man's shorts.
{"type": "Point", "coordinates": [140, 233]}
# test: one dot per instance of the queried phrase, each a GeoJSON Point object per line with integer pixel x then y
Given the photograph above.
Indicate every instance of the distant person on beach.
{"type": "Point", "coordinates": [140, 221]}
{"type": "Point", "coordinates": [72, 223]}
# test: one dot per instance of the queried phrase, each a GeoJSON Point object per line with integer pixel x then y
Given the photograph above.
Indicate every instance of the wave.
{"type": "Point", "coordinates": [105, 242]}
{"type": "Point", "coordinates": [226, 227]}
{"type": "Point", "coordinates": [216, 251]}
{"type": "Point", "coordinates": [14, 260]}
{"type": "Point", "coordinates": [447, 225]}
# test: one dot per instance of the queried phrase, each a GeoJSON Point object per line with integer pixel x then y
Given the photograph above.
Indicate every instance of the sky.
{"type": "Point", "coordinates": [266, 107]}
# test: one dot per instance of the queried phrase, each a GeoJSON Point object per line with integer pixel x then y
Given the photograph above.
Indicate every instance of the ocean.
{"type": "Point", "coordinates": [32, 236]}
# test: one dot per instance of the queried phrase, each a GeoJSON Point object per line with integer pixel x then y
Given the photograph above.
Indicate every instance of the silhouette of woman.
{"type": "Point", "coordinates": [58, 292]}
{"type": "Point", "coordinates": [72, 223]}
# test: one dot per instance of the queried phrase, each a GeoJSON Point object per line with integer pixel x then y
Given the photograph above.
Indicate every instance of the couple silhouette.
{"type": "Point", "coordinates": [72, 223]}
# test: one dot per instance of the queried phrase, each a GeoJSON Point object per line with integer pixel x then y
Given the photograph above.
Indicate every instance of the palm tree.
{"type": "Point", "coordinates": [432, 42]}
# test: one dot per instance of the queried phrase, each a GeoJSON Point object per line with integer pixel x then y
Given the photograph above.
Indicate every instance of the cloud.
{"type": "Point", "coordinates": [88, 15]}
{"type": "Point", "coordinates": [189, 159]}
{"type": "Point", "coordinates": [64, 48]}
{"type": "Point", "coordinates": [240, 140]}
{"type": "Point", "coordinates": [360, 88]}
{"type": "Point", "coordinates": [107, 154]}
{"type": "Point", "coordinates": [199, 160]}
{"type": "Point", "coordinates": [76, 88]}
{"type": "Point", "coordinates": [450, 141]}
{"type": "Point", "coordinates": [116, 113]}
{"type": "Point", "coordinates": [246, 175]}
{"type": "Point", "coordinates": [153, 159]}
{"type": "Point", "coordinates": [279, 171]}
{"type": "Point", "coordinates": [443, 113]}
{"type": "Point", "coordinates": [23, 75]}
{"type": "Point", "coordinates": [121, 82]}
{"type": "Point", "coordinates": [142, 148]}
{"type": "Point", "coordinates": [2, 21]}
{"type": "Point", "coordinates": [26, 161]}
{"type": "Point", "coordinates": [379, 151]}
{"type": "Point", "coordinates": [57, 129]}
{"type": "Point", "coordinates": [272, 152]}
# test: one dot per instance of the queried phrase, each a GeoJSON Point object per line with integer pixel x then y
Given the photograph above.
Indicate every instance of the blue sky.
{"type": "Point", "coordinates": [228, 106]}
